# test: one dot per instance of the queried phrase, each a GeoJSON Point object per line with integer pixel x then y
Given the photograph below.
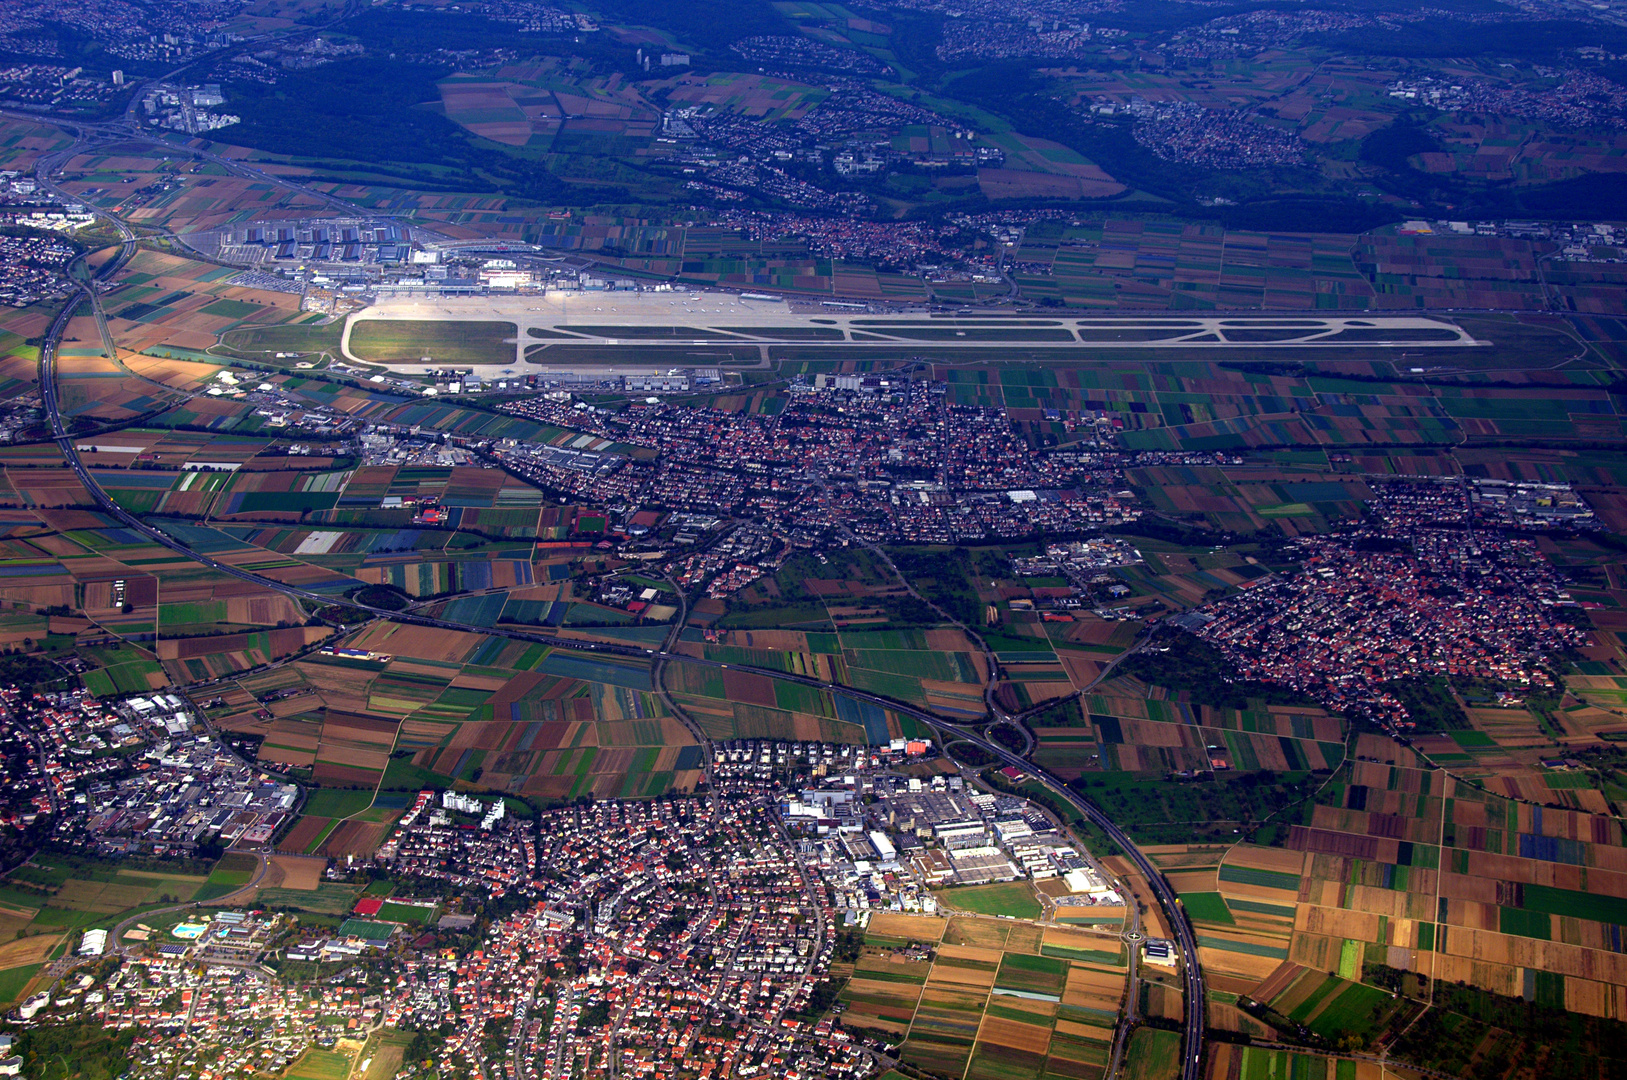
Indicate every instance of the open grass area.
{"type": "Point", "coordinates": [1012, 898]}
{"type": "Point", "coordinates": [1357, 1010]}
{"type": "Point", "coordinates": [410, 340]}
{"type": "Point", "coordinates": [325, 899]}
{"type": "Point", "coordinates": [263, 343]}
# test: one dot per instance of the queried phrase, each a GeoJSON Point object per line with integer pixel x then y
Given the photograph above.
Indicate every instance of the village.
{"type": "Point", "coordinates": [1429, 585]}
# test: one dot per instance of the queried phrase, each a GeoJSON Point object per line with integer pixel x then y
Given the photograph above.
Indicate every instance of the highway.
{"type": "Point", "coordinates": [1185, 940]}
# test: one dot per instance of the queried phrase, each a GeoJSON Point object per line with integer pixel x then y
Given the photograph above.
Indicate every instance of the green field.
{"type": "Point", "coordinates": [326, 899]}
{"type": "Point", "coordinates": [128, 678]}
{"type": "Point", "coordinates": [405, 913]}
{"type": "Point", "coordinates": [13, 980]}
{"type": "Point", "coordinates": [1006, 898]}
{"type": "Point", "coordinates": [337, 802]}
{"type": "Point", "coordinates": [234, 871]}
{"type": "Point", "coordinates": [1350, 954]}
{"type": "Point", "coordinates": [262, 343]}
{"type": "Point", "coordinates": [409, 341]}
{"type": "Point", "coordinates": [1209, 907]}
{"type": "Point", "coordinates": [79, 892]}
{"type": "Point", "coordinates": [234, 309]}
{"type": "Point", "coordinates": [1032, 974]}
{"type": "Point", "coordinates": [1358, 1010]}
{"type": "Point", "coordinates": [319, 1065]}
{"type": "Point", "coordinates": [1262, 1064]}
{"type": "Point", "coordinates": [1573, 904]}
{"type": "Point", "coordinates": [1153, 1055]}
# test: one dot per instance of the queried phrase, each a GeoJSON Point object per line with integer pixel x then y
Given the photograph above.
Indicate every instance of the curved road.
{"type": "Point", "coordinates": [1185, 939]}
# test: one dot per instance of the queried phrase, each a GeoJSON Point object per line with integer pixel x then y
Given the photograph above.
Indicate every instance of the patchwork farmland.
{"type": "Point", "coordinates": [981, 997]}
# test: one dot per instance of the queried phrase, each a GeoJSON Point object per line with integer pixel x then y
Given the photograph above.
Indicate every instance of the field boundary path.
{"type": "Point", "coordinates": [1186, 940]}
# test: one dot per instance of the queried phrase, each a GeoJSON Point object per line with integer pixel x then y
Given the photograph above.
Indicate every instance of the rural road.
{"type": "Point", "coordinates": [115, 936]}
{"type": "Point", "coordinates": [1186, 940]}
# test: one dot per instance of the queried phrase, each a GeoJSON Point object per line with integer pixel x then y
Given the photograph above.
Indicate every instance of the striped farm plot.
{"type": "Point", "coordinates": [1410, 868]}
{"type": "Point", "coordinates": [1000, 998]}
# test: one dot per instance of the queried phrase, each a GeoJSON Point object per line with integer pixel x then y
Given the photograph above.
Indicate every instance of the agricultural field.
{"type": "Point", "coordinates": [1452, 897]}
{"type": "Point", "coordinates": [938, 669]}
{"type": "Point", "coordinates": [1258, 1063]}
{"type": "Point", "coordinates": [1170, 768]}
{"type": "Point", "coordinates": [1154, 1054]}
{"type": "Point", "coordinates": [117, 585]}
{"type": "Point", "coordinates": [455, 709]}
{"type": "Point", "coordinates": [744, 705]}
{"type": "Point", "coordinates": [166, 314]}
{"type": "Point", "coordinates": [988, 997]}
{"type": "Point", "coordinates": [47, 902]}
{"type": "Point", "coordinates": [1395, 878]}
{"type": "Point", "coordinates": [1190, 402]}
{"type": "Point", "coordinates": [180, 195]}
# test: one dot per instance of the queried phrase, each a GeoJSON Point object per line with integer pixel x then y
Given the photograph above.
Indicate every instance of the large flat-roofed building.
{"type": "Point", "coordinates": [961, 834]}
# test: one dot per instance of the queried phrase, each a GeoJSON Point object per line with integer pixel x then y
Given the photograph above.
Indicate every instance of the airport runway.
{"type": "Point", "coordinates": [698, 320]}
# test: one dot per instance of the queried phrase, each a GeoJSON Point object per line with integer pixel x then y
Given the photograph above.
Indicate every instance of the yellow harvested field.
{"type": "Point", "coordinates": [1093, 988]}
{"type": "Point", "coordinates": [1025, 938]}
{"type": "Point", "coordinates": [943, 975]}
{"type": "Point", "coordinates": [1063, 937]}
{"type": "Point", "coordinates": [1019, 1036]}
{"type": "Point", "coordinates": [1498, 978]}
{"type": "Point", "coordinates": [25, 951]}
{"type": "Point", "coordinates": [1182, 856]}
{"type": "Point", "coordinates": [299, 873]}
{"type": "Point", "coordinates": [969, 952]}
{"type": "Point", "coordinates": [420, 642]}
{"type": "Point", "coordinates": [914, 927]}
{"type": "Point", "coordinates": [1361, 925]}
{"type": "Point", "coordinates": [1185, 881]}
{"type": "Point", "coordinates": [1245, 891]}
{"type": "Point", "coordinates": [1554, 956]}
{"type": "Point", "coordinates": [984, 933]}
{"type": "Point", "coordinates": [1084, 1031]}
{"type": "Point", "coordinates": [1241, 965]}
{"type": "Point", "coordinates": [466, 681]}
{"type": "Point", "coordinates": [902, 992]}
{"type": "Point", "coordinates": [1282, 860]}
